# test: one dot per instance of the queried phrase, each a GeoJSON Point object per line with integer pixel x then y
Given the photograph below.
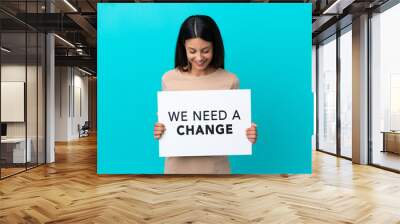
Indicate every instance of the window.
{"type": "Point", "coordinates": [385, 88]}
{"type": "Point", "coordinates": [346, 92]}
{"type": "Point", "coordinates": [327, 95]}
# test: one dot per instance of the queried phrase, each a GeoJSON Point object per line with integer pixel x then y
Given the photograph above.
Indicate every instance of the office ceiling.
{"type": "Point", "coordinates": [75, 22]}
{"type": "Point", "coordinates": [331, 15]}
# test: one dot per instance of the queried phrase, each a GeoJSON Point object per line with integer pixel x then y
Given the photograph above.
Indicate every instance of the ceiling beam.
{"type": "Point", "coordinates": [82, 61]}
{"type": "Point", "coordinates": [86, 26]}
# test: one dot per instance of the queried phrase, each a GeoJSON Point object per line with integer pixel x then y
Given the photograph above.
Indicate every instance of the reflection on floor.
{"type": "Point", "coordinates": [11, 169]}
{"type": "Point", "coordinates": [346, 152]}
{"type": "Point", "coordinates": [386, 159]}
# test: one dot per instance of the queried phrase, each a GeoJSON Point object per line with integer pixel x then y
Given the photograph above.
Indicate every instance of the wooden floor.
{"type": "Point", "coordinates": [70, 191]}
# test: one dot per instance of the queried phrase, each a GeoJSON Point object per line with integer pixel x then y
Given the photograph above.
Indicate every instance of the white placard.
{"type": "Point", "coordinates": [204, 123]}
{"type": "Point", "coordinates": [12, 101]}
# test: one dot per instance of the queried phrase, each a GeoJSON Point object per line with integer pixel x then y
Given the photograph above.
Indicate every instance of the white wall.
{"type": "Point", "coordinates": [81, 102]}
{"type": "Point", "coordinates": [71, 102]}
{"type": "Point", "coordinates": [62, 81]}
{"type": "Point", "coordinates": [314, 91]}
{"type": "Point", "coordinates": [12, 73]}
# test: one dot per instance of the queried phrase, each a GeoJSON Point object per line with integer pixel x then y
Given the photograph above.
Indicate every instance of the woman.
{"type": "Point", "coordinates": [199, 65]}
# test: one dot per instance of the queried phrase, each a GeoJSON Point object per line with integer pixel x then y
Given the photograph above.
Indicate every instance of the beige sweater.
{"type": "Point", "coordinates": [218, 80]}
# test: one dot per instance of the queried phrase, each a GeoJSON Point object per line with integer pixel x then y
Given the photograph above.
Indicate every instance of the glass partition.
{"type": "Point", "coordinates": [14, 153]}
{"type": "Point", "coordinates": [22, 77]}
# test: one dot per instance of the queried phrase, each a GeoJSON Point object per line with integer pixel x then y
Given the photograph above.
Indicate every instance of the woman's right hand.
{"type": "Point", "coordinates": [159, 129]}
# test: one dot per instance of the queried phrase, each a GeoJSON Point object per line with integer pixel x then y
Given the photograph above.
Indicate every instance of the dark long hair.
{"type": "Point", "coordinates": [204, 27]}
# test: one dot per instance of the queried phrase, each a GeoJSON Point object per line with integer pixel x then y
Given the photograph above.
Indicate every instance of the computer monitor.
{"type": "Point", "coordinates": [3, 129]}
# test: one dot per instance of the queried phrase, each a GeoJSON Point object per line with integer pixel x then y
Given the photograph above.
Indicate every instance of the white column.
{"type": "Point", "coordinates": [50, 93]}
{"type": "Point", "coordinates": [50, 100]}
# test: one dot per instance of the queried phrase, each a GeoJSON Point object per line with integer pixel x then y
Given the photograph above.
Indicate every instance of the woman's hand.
{"type": "Point", "coordinates": [159, 129]}
{"type": "Point", "coordinates": [251, 133]}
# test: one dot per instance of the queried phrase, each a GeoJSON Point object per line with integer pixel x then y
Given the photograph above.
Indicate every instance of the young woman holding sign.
{"type": "Point", "coordinates": [199, 65]}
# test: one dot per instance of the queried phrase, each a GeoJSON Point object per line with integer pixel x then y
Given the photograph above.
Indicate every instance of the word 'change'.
{"type": "Point", "coordinates": [203, 129]}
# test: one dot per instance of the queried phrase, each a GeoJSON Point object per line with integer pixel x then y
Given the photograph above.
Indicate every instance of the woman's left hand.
{"type": "Point", "coordinates": [251, 133]}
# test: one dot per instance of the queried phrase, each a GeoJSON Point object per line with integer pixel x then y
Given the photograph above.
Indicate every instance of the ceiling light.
{"type": "Point", "coordinates": [84, 71]}
{"type": "Point", "coordinates": [5, 50]}
{"type": "Point", "coordinates": [338, 6]}
{"type": "Point", "coordinates": [65, 41]}
{"type": "Point", "coordinates": [70, 5]}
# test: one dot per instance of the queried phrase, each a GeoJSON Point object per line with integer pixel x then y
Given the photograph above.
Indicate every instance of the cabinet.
{"type": "Point", "coordinates": [391, 141]}
{"type": "Point", "coordinates": [13, 150]}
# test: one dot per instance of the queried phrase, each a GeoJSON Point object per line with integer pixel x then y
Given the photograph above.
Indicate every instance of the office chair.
{"type": "Point", "coordinates": [84, 130]}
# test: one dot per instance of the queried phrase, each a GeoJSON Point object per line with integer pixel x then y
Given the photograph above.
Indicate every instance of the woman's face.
{"type": "Point", "coordinates": [199, 53]}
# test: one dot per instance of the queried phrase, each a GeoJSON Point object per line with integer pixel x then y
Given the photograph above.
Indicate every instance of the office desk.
{"type": "Point", "coordinates": [391, 141]}
{"type": "Point", "coordinates": [13, 150]}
